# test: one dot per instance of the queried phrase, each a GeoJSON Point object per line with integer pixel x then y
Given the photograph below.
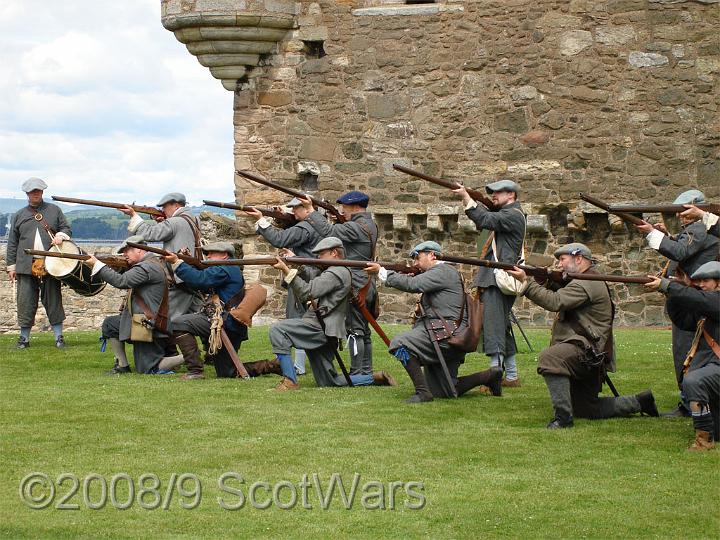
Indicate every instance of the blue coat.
{"type": "Point", "coordinates": [225, 281]}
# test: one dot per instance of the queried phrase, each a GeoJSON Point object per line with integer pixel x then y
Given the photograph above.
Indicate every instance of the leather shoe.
{"type": "Point", "coordinates": [287, 384]}
{"type": "Point", "coordinates": [60, 342]}
{"type": "Point", "coordinates": [383, 378]}
{"type": "Point", "coordinates": [514, 383]}
{"type": "Point", "coordinates": [557, 423]}
{"type": "Point", "coordinates": [647, 403]}
{"type": "Point", "coordinates": [419, 398]}
{"type": "Point", "coordinates": [22, 343]}
{"type": "Point", "coordinates": [678, 412]}
{"type": "Point", "coordinates": [118, 370]}
{"type": "Point", "coordinates": [192, 376]}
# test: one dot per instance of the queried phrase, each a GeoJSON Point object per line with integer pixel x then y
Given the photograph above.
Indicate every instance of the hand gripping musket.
{"type": "Point", "coordinates": [479, 196]}
{"type": "Point", "coordinates": [319, 203]}
{"type": "Point", "coordinates": [284, 219]}
{"type": "Point", "coordinates": [624, 215]}
{"type": "Point", "coordinates": [542, 273]}
{"type": "Point", "coordinates": [111, 260]}
{"type": "Point", "coordinates": [713, 208]}
{"type": "Point", "coordinates": [155, 212]}
{"type": "Point", "coordinates": [194, 261]}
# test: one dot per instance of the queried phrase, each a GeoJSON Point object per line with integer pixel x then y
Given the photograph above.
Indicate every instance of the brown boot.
{"type": "Point", "coordinates": [383, 378]}
{"type": "Point", "coordinates": [703, 441]}
{"type": "Point", "coordinates": [191, 354]}
{"type": "Point", "coordinates": [263, 367]}
{"type": "Point", "coordinates": [286, 384]}
{"type": "Point", "coordinates": [511, 384]}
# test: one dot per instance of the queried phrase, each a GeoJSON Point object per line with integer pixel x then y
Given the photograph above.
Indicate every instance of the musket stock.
{"type": "Point", "coordinates": [197, 263]}
{"type": "Point", "coordinates": [111, 260]}
{"type": "Point", "coordinates": [138, 208]}
{"type": "Point", "coordinates": [625, 216]}
{"type": "Point", "coordinates": [283, 218]}
{"type": "Point", "coordinates": [474, 193]}
{"type": "Point", "coordinates": [339, 217]}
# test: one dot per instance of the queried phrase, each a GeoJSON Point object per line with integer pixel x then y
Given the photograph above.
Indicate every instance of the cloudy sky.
{"type": "Point", "coordinates": [101, 101]}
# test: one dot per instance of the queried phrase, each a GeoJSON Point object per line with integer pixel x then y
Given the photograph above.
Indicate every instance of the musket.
{"type": "Point", "coordinates": [545, 273]}
{"type": "Point", "coordinates": [713, 208]}
{"type": "Point", "coordinates": [155, 212]}
{"type": "Point", "coordinates": [307, 261]}
{"type": "Point", "coordinates": [283, 218]}
{"type": "Point", "coordinates": [111, 260]}
{"type": "Point", "coordinates": [295, 193]}
{"type": "Point", "coordinates": [479, 196]}
{"type": "Point", "coordinates": [624, 215]}
{"type": "Point", "coordinates": [194, 261]}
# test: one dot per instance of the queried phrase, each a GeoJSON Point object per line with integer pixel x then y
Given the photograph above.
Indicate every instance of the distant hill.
{"type": "Point", "coordinates": [90, 222]}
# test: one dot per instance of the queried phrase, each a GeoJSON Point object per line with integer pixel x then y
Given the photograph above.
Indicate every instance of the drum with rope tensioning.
{"type": "Point", "coordinates": [73, 273]}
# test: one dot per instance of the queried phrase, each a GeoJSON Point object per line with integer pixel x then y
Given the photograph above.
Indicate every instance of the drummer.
{"type": "Point", "coordinates": [38, 225]}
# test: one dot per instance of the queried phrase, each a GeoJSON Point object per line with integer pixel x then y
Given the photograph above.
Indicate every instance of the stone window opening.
{"type": "Point", "coordinates": [308, 181]}
{"type": "Point", "coordinates": [314, 49]}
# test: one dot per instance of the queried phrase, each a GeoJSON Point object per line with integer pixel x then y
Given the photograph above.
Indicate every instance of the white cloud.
{"type": "Point", "coordinates": [102, 101]}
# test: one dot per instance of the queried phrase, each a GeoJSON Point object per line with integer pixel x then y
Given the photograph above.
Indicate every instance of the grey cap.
{"type": "Point", "coordinates": [330, 242]}
{"type": "Point", "coordinates": [172, 197]}
{"type": "Point", "coordinates": [690, 196]}
{"type": "Point", "coordinates": [575, 248]}
{"type": "Point", "coordinates": [33, 183]}
{"type": "Point", "coordinates": [294, 203]}
{"type": "Point", "coordinates": [137, 239]}
{"type": "Point", "coordinates": [222, 247]}
{"type": "Point", "coordinates": [709, 270]}
{"type": "Point", "coordinates": [502, 185]}
{"type": "Point", "coordinates": [425, 246]}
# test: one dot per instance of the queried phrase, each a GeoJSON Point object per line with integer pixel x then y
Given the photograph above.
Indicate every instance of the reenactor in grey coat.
{"type": "Point", "coordinates": [507, 233]}
{"type": "Point", "coordinates": [147, 299]}
{"type": "Point", "coordinates": [37, 226]}
{"type": "Point", "coordinates": [179, 230]}
{"type": "Point", "coordinates": [300, 239]}
{"type": "Point", "coordinates": [686, 251]}
{"type": "Point", "coordinates": [581, 350]}
{"type": "Point", "coordinates": [359, 236]}
{"type": "Point", "coordinates": [329, 295]}
{"type": "Point", "coordinates": [698, 310]}
{"type": "Point", "coordinates": [710, 220]}
{"type": "Point", "coordinates": [442, 301]}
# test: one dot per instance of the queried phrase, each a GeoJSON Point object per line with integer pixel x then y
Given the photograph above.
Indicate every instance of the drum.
{"type": "Point", "coordinates": [73, 273]}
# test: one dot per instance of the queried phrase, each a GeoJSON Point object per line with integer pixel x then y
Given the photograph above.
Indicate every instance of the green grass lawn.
{"type": "Point", "coordinates": [487, 465]}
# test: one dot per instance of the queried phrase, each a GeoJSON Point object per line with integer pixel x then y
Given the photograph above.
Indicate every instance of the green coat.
{"type": "Point", "coordinates": [591, 303]}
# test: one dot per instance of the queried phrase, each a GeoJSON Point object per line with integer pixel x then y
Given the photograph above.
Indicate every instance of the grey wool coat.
{"type": "Point", "coordinates": [691, 248]}
{"type": "Point", "coordinates": [175, 233]}
{"type": "Point", "coordinates": [331, 290]}
{"type": "Point", "coordinates": [359, 236]}
{"type": "Point", "coordinates": [146, 278]}
{"type": "Point", "coordinates": [300, 238]}
{"type": "Point", "coordinates": [442, 296]}
{"type": "Point", "coordinates": [22, 233]}
{"type": "Point", "coordinates": [508, 224]}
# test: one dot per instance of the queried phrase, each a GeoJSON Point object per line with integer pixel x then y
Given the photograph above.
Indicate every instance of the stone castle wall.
{"type": "Point", "coordinates": [617, 98]}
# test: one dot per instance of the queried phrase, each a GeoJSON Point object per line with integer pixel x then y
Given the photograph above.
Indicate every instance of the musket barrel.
{"type": "Point", "coordinates": [660, 208]}
{"type": "Point", "coordinates": [475, 194]}
{"type": "Point", "coordinates": [105, 204]}
{"type": "Point", "coordinates": [57, 254]}
{"type": "Point", "coordinates": [294, 192]}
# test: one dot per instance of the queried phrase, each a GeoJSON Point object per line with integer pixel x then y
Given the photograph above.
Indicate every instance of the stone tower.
{"type": "Point", "coordinates": [618, 98]}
